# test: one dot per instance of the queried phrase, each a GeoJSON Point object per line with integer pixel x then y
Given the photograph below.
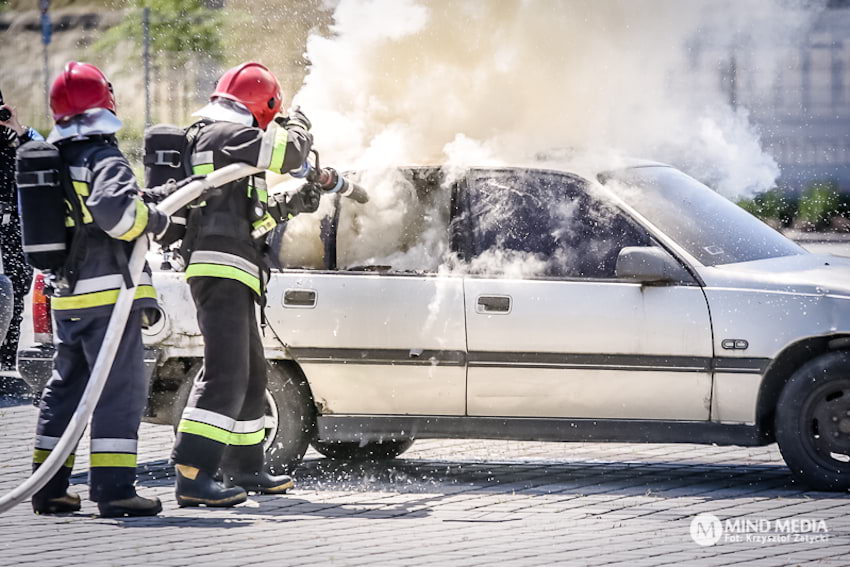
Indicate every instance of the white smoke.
{"type": "Point", "coordinates": [461, 82]}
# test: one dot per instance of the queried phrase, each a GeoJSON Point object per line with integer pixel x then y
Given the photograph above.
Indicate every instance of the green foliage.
{"type": "Point", "coordinates": [777, 206]}
{"type": "Point", "coordinates": [179, 29]}
{"type": "Point", "coordinates": [818, 204]}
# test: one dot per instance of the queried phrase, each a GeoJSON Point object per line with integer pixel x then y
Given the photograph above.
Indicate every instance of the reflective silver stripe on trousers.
{"type": "Point", "coordinates": [104, 283]}
{"type": "Point", "coordinates": [225, 259]}
{"type": "Point", "coordinates": [128, 219]}
{"type": "Point", "coordinates": [80, 174]}
{"type": "Point", "coordinates": [44, 247]}
{"type": "Point", "coordinates": [45, 442]}
{"type": "Point", "coordinates": [201, 158]}
{"type": "Point", "coordinates": [114, 445]}
{"type": "Point", "coordinates": [251, 426]}
{"type": "Point", "coordinates": [267, 146]}
{"type": "Point", "coordinates": [209, 417]}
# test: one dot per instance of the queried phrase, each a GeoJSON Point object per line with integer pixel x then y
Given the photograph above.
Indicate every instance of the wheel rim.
{"type": "Point", "coordinates": [270, 417]}
{"type": "Point", "coordinates": [826, 425]}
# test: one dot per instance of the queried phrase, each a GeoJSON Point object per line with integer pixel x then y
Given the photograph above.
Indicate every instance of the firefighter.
{"type": "Point", "coordinates": [113, 214]}
{"type": "Point", "coordinates": [222, 427]}
{"type": "Point", "coordinates": [12, 135]}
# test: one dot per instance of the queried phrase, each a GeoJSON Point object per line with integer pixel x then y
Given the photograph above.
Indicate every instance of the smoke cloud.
{"type": "Point", "coordinates": [465, 82]}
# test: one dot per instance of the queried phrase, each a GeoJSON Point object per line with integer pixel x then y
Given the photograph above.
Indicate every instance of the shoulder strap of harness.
{"type": "Point", "coordinates": [194, 214]}
{"type": "Point", "coordinates": [71, 268]}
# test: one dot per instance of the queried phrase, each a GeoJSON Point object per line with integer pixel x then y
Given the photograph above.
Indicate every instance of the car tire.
{"type": "Point", "coordinates": [290, 415]}
{"type": "Point", "coordinates": [813, 422]}
{"type": "Point", "coordinates": [354, 451]}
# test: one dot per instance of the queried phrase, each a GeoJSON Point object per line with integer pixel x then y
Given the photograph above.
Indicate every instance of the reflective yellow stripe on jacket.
{"type": "Point", "coordinates": [273, 148]}
{"type": "Point", "coordinates": [101, 291]}
{"type": "Point", "coordinates": [99, 298]}
{"type": "Point", "coordinates": [133, 222]}
{"type": "Point", "coordinates": [202, 163]}
{"type": "Point", "coordinates": [80, 179]}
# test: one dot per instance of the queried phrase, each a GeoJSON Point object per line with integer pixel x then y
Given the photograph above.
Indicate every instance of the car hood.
{"type": "Point", "coordinates": [801, 273]}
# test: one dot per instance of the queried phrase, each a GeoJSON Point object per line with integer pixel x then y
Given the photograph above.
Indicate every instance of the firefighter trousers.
{"type": "Point", "coordinates": [116, 418]}
{"type": "Point", "coordinates": [223, 426]}
{"type": "Point", "coordinates": [20, 273]}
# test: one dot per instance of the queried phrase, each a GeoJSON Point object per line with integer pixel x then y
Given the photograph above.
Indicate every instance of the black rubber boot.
{"type": "Point", "coordinates": [263, 482]}
{"type": "Point", "coordinates": [64, 504]}
{"type": "Point", "coordinates": [132, 507]}
{"type": "Point", "coordinates": [197, 488]}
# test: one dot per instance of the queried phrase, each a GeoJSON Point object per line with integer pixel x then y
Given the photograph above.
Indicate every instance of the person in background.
{"type": "Point", "coordinates": [12, 136]}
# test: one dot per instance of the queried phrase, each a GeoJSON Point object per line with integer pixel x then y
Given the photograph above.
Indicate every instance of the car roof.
{"type": "Point", "coordinates": [586, 165]}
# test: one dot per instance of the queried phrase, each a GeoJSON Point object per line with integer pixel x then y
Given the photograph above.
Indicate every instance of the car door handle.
{"type": "Point", "coordinates": [302, 298]}
{"type": "Point", "coordinates": [494, 304]}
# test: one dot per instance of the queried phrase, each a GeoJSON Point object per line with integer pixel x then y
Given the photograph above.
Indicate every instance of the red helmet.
{"type": "Point", "coordinates": [80, 87]}
{"type": "Point", "coordinates": [253, 85]}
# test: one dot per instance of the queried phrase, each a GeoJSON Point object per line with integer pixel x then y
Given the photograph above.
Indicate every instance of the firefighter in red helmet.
{"type": "Point", "coordinates": [111, 214]}
{"type": "Point", "coordinates": [222, 427]}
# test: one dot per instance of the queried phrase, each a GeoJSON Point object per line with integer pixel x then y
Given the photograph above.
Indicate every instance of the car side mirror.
{"type": "Point", "coordinates": [649, 265]}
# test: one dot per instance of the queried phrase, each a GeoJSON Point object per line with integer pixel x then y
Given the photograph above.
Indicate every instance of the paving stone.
{"type": "Point", "coordinates": [447, 502]}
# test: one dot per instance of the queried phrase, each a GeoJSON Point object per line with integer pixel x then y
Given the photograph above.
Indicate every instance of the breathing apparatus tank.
{"type": "Point", "coordinates": [42, 195]}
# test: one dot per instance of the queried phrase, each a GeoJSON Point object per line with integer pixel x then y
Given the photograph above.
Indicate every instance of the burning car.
{"type": "Point", "coordinates": [630, 304]}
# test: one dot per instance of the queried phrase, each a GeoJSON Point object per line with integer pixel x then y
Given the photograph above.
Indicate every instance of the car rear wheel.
{"type": "Point", "coordinates": [813, 422]}
{"type": "Point", "coordinates": [354, 451]}
{"type": "Point", "coordinates": [290, 417]}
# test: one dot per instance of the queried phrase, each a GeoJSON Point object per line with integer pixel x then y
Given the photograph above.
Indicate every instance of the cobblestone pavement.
{"type": "Point", "coordinates": [465, 502]}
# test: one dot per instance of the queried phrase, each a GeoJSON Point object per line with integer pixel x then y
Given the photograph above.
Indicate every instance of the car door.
{"type": "Point", "coordinates": [384, 334]}
{"type": "Point", "coordinates": [551, 331]}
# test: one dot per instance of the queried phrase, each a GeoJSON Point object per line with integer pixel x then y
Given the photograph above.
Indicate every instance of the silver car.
{"type": "Point", "coordinates": [539, 304]}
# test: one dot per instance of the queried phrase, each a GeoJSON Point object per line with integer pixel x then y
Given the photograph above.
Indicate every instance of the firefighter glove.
{"type": "Point", "coordinates": [160, 192]}
{"type": "Point", "coordinates": [305, 200]}
{"type": "Point", "coordinates": [297, 118]}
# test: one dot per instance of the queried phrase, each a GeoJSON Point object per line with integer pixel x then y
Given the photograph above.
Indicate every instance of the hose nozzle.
{"type": "Point", "coordinates": [329, 180]}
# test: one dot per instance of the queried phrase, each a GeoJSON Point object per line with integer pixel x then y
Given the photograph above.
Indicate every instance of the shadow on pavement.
{"type": "Point", "coordinates": [577, 477]}
{"type": "Point", "coordinates": [164, 520]}
{"type": "Point", "coordinates": [440, 480]}
{"type": "Point", "coordinates": [411, 476]}
{"type": "Point", "coordinates": [389, 488]}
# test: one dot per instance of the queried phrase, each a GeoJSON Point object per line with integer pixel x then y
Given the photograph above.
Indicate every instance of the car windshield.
{"type": "Point", "coordinates": [711, 228]}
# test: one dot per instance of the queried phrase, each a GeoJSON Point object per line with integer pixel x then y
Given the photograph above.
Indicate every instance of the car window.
{"type": "Point", "coordinates": [711, 228]}
{"type": "Point", "coordinates": [539, 224]}
{"type": "Point", "coordinates": [403, 227]}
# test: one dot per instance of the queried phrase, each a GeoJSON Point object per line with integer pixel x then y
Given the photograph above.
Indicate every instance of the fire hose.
{"type": "Point", "coordinates": [114, 332]}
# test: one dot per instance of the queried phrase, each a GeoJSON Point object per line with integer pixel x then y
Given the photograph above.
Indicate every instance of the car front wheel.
{"type": "Point", "coordinates": [355, 451]}
{"type": "Point", "coordinates": [813, 422]}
